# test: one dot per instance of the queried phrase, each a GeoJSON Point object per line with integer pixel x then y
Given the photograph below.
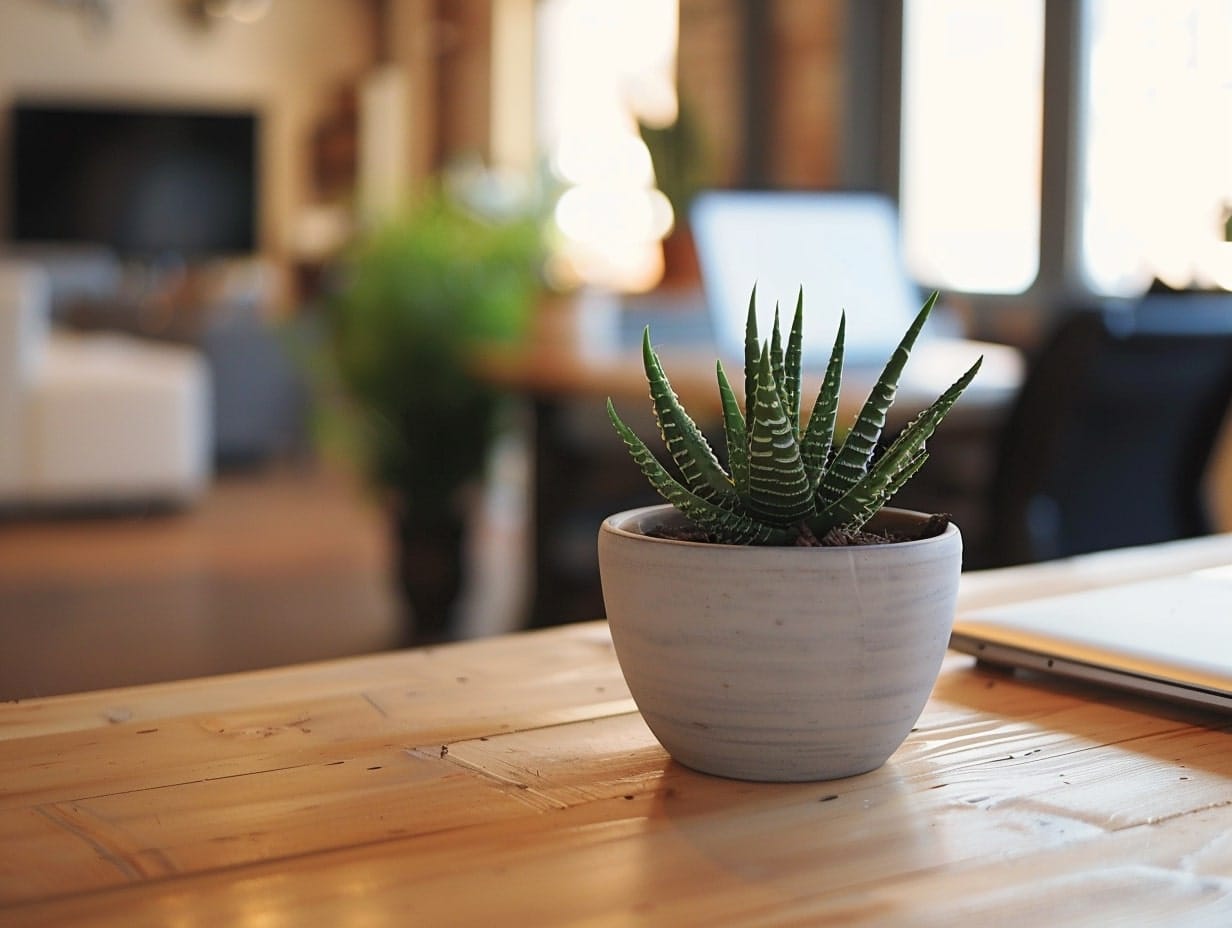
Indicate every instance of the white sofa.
{"type": "Point", "coordinates": [93, 419]}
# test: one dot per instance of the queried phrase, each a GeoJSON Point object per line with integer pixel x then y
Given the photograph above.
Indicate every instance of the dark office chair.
{"type": "Point", "coordinates": [1110, 437]}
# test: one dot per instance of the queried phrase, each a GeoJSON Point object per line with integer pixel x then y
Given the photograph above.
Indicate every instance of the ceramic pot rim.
{"type": "Point", "coordinates": [616, 525]}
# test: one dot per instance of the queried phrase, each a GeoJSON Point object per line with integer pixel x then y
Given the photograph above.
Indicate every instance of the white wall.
{"type": "Point", "coordinates": [289, 65]}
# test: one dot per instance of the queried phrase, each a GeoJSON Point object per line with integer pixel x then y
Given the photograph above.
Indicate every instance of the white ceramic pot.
{"type": "Point", "coordinates": [778, 663]}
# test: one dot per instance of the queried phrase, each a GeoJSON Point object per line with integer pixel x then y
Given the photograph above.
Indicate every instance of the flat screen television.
{"type": "Point", "coordinates": [146, 182]}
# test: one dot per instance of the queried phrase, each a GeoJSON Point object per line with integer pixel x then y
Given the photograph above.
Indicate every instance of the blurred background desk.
{"type": "Point", "coordinates": [581, 352]}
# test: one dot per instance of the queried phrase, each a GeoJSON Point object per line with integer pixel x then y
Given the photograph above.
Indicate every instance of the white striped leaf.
{"type": "Point", "coordinates": [887, 475]}
{"type": "Point", "coordinates": [851, 462]}
{"type": "Point", "coordinates": [777, 366]}
{"type": "Point", "coordinates": [728, 527]}
{"type": "Point", "coordinates": [819, 434]}
{"type": "Point", "coordinates": [702, 473]}
{"type": "Point", "coordinates": [779, 491]}
{"type": "Point", "coordinates": [734, 432]}
{"type": "Point", "coordinates": [793, 362]}
{"type": "Point", "coordinates": [752, 351]}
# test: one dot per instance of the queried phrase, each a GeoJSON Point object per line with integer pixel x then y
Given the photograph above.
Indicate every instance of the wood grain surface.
{"type": "Point", "coordinates": [511, 781]}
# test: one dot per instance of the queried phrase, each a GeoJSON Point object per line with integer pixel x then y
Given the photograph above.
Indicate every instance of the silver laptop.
{"type": "Point", "coordinates": [843, 247]}
{"type": "Point", "coordinates": [1169, 637]}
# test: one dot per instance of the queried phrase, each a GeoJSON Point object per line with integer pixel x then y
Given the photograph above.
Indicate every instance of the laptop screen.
{"type": "Point", "coordinates": [842, 247]}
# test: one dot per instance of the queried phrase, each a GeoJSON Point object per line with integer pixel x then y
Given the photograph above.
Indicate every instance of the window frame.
{"type": "Point", "coordinates": [871, 156]}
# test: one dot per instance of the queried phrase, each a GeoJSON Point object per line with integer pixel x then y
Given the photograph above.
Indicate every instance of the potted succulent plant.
{"type": "Point", "coordinates": [775, 621]}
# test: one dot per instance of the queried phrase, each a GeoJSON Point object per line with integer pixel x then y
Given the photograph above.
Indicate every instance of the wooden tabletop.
{"type": "Point", "coordinates": [510, 781]}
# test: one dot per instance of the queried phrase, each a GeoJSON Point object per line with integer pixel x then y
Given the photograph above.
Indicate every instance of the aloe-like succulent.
{"type": "Point", "coordinates": [787, 480]}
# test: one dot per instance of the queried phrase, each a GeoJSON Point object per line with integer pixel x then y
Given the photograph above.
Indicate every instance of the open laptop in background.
{"type": "Point", "coordinates": [1169, 638]}
{"type": "Point", "coordinates": [842, 246]}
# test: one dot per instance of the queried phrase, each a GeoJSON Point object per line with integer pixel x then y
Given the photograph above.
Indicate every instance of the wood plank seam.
{"type": "Point", "coordinates": [55, 814]}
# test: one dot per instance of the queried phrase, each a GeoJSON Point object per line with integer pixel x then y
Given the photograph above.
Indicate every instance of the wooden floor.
{"type": "Point", "coordinates": [271, 568]}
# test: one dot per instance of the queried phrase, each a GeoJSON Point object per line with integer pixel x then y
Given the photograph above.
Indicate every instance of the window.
{"type": "Point", "coordinates": [604, 67]}
{"type": "Point", "coordinates": [971, 142]}
{"type": "Point", "coordinates": [1156, 145]}
{"type": "Point", "coordinates": [1149, 147]}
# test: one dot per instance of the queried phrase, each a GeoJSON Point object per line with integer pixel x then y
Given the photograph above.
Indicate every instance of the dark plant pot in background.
{"type": "Point", "coordinates": [429, 567]}
{"type": "Point", "coordinates": [681, 270]}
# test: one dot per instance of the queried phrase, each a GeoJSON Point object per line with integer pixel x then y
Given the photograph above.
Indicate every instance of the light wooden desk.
{"type": "Point", "coordinates": [510, 782]}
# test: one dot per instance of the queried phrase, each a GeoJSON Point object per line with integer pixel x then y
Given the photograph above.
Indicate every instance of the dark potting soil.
{"type": "Point", "coordinates": [835, 538]}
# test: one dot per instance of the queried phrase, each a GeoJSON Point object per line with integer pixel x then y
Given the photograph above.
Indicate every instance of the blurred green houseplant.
{"type": "Point", "coordinates": [682, 165]}
{"type": "Point", "coordinates": [678, 152]}
{"type": "Point", "coordinates": [412, 298]}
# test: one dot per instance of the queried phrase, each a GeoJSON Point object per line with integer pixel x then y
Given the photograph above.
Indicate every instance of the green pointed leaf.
{"type": "Point", "coordinates": [916, 432]}
{"type": "Point", "coordinates": [819, 434]}
{"type": "Point", "coordinates": [779, 492]}
{"type": "Point", "coordinates": [734, 432]}
{"type": "Point", "coordinates": [868, 496]}
{"type": "Point", "coordinates": [851, 462]}
{"type": "Point", "coordinates": [702, 473]}
{"type": "Point", "coordinates": [752, 351]}
{"type": "Point", "coordinates": [886, 476]}
{"type": "Point", "coordinates": [728, 527]}
{"type": "Point", "coordinates": [793, 363]}
{"type": "Point", "coordinates": [782, 475]}
{"type": "Point", "coordinates": [777, 364]}
{"type": "Point", "coordinates": [904, 474]}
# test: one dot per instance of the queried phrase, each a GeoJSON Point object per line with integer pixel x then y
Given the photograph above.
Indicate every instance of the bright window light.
{"type": "Point", "coordinates": [603, 67]}
{"type": "Point", "coordinates": [1157, 145]}
{"type": "Point", "coordinates": [971, 142]}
